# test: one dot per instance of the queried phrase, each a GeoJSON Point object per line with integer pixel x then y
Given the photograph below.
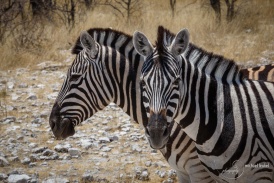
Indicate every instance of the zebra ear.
{"type": "Point", "coordinates": [180, 43]}
{"type": "Point", "coordinates": [89, 43]}
{"type": "Point", "coordinates": [141, 44]}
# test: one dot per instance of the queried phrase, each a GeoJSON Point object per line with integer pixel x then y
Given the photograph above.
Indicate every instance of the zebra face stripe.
{"type": "Point", "coordinates": [160, 86]}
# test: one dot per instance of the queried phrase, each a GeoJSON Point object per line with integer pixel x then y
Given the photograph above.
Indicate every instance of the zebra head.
{"type": "Point", "coordinates": [159, 82]}
{"type": "Point", "coordinates": [78, 98]}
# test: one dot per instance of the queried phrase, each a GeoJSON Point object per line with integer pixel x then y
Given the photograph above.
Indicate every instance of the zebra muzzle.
{"type": "Point", "coordinates": [157, 131]}
{"type": "Point", "coordinates": [61, 127]}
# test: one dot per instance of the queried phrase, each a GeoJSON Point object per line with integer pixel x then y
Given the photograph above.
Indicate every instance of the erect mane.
{"type": "Point", "coordinates": [164, 38]}
{"type": "Point", "coordinates": [106, 37]}
{"type": "Point", "coordinates": [223, 69]}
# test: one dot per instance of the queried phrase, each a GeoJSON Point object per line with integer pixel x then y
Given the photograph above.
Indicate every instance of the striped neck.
{"type": "Point", "coordinates": [119, 70]}
{"type": "Point", "coordinates": [205, 76]}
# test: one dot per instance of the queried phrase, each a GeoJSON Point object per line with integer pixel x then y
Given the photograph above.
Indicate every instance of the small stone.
{"type": "Point", "coordinates": [3, 177]}
{"type": "Point", "coordinates": [25, 161]}
{"type": "Point", "coordinates": [74, 152]}
{"type": "Point", "coordinates": [114, 138]}
{"type": "Point", "coordinates": [48, 152]}
{"type": "Point", "coordinates": [104, 140]}
{"type": "Point", "coordinates": [34, 157]}
{"type": "Point", "coordinates": [141, 174]}
{"type": "Point", "coordinates": [14, 178]}
{"type": "Point", "coordinates": [55, 180]}
{"type": "Point", "coordinates": [20, 137]}
{"type": "Point", "coordinates": [33, 164]}
{"type": "Point", "coordinates": [65, 157]}
{"type": "Point", "coordinates": [39, 150]}
{"type": "Point", "coordinates": [14, 159]}
{"type": "Point", "coordinates": [3, 162]}
{"type": "Point", "coordinates": [38, 121]}
{"type": "Point", "coordinates": [14, 97]}
{"type": "Point", "coordinates": [22, 85]}
{"type": "Point", "coordinates": [10, 85]}
{"type": "Point", "coordinates": [161, 174]}
{"type": "Point", "coordinates": [169, 180]}
{"type": "Point", "coordinates": [33, 145]}
{"type": "Point", "coordinates": [32, 96]}
{"type": "Point", "coordinates": [148, 163]}
{"type": "Point", "coordinates": [62, 148]}
{"type": "Point", "coordinates": [44, 163]}
{"type": "Point", "coordinates": [87, 177]}
{"type": "Point", "coordinates": [11, 140]}
{"type": "Point", "coordinates": [9, 119]}
{"type": "Point", "coordinates": [86, 143]}
{"type": "Point", "coordinates": [105, 149]}
{"type": "Point", "coordinates": [172, 174]}
{"type": "Point", "coordinates": [13, 172]}
{"type": "Point", "coordinates": [52, 157]}
{"type": "Point", "coordinates": [136, 148]}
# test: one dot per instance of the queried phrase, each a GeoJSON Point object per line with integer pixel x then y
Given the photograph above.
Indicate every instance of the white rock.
{"type": "Point", "coordinates": [62, 148]}
{"type": "Point", "coordinates": [56, 180]}
{"type": "Point", "coordinates": [104, 140]}
{"type": "Point", "coordinates": [18, 178]}
{"type": "Point", "coordinates": [74, 152]}
{"type": "Point", "coordinates": [3, 162]}
{"type": "Point", "coordinates": [136, 148]}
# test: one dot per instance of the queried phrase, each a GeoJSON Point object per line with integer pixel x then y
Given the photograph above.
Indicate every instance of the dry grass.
{"type": "Point", "coordinates": [244, 39]}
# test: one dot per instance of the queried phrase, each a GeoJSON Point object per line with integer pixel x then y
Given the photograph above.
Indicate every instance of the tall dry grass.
{"type": "Point", "coordinates": [244, 39]}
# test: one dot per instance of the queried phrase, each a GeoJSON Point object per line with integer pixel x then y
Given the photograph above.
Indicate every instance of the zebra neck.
{"type": "Point", "coordinates": [123, 80]}
{"type": "Point", "coordinates": [200, 95]}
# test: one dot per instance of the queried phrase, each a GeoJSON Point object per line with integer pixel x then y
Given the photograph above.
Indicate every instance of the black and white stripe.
{"type": "Point", "coordinates": [264, 73]}
{"type": "Point", "coordinates": [230, 118]}
{"type": "Point", "coordinates": [108, 70]}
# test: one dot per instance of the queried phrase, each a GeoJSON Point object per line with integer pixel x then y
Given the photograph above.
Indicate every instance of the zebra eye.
{"type": "Point", "coordinates": [143, 83]}
{"type": "Point", "coordinates": [176, 81]}
{"type": "Point", "coordinates": [74, 77]}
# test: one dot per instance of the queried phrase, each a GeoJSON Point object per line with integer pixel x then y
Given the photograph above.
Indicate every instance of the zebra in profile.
{"type": "Point", "coordinates": [230, 118]}
{"type": "Point", "coordinates": [264, 73]}
{"type": "Point", "coordinates": [107, 69]}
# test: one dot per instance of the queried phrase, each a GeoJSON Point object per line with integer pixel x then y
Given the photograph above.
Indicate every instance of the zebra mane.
{"type": "Point", "coordinates": [106, 37]}
{"type": "Point", "coordinates": [221, 68]}
{"type": "Point", "coordinates": [164, 38]}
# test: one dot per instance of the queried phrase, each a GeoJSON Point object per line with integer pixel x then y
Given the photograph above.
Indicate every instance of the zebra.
{"type": "Point", "coordinates": [175, 152]}
{"type": "Point", "coordinates": [107, 69]}
{"type": "Point", "coordinates": [230, 118]}
{"type": "Point", "coordinates": [264, 72]}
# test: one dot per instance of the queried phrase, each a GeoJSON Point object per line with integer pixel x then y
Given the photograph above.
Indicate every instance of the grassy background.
{"type": "Point", "coordinates": [246, 39]}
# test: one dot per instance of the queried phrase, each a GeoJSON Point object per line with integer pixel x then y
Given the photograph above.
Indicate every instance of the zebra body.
{"type": "Point", "coordinates": [230, 118]}
{"type": "Point", "coordinates": [264, 73]}
{"type": "Point", "coordinates": [107, 69]}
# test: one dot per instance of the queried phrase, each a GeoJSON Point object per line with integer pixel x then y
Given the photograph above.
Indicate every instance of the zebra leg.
{"type": "Point", "coordinates": [182, 178]}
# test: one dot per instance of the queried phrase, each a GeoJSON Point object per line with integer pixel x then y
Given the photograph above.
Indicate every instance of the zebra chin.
{"type": "Point", "coordinates": [61, 127]}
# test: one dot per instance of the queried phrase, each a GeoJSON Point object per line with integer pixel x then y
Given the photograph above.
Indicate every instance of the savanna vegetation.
{"type": "Point", "coordinates": [32, 31]}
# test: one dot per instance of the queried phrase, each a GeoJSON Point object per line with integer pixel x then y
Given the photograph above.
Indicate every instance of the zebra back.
{"type": "Point", "coordinates": [264, 73]}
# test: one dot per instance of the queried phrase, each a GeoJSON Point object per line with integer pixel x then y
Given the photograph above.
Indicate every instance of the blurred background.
{"type": "Point", "coordinates": [32, 31]}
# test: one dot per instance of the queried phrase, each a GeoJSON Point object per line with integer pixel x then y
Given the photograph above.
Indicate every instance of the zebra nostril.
{"type": "Point", "coordinates": [165, 132]}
